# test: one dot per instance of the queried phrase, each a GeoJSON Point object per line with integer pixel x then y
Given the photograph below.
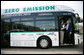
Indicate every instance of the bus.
{"type": "Point", "coordinates": [36, 29]}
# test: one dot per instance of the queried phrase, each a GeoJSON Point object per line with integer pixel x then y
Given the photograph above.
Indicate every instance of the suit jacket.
{"type": "Point", "coordinates": [69, 27]}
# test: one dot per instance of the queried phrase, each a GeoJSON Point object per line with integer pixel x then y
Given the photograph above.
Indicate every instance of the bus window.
{"type": "Point", "coordinates": [46, 15]}
{"type": "Point", "coordinates": [7, 20]}
{"type": "Point", "coordinates": [5, 28]}
{"type": "Point", "coordinates": [49, 17]}
{"type": "Point", "coordinates": [15, 19]}
{"type": "Point", "coordinates": [27, 26]}
{"type": "Point", "coordinates": [25, 19]}
{"type": "Point", "coordinates": [6, 25]}
{"type": "Point", "coordinates": [45, 25]}
{"type": "Point", "coordinates": [22, 26]}
{"type": "Point", "coordinates": [16, 25]}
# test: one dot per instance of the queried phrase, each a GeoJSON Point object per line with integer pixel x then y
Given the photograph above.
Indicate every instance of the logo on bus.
{"type": "Point", "coordinates": [40, 34]}
{"type": "Point", "coordinates": [52, 33]}
{"type": "Point", "coordinates": [23, 34]}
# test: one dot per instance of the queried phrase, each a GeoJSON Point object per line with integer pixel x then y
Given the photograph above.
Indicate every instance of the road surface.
{"type": "Point", "coordinates": [54, 50]}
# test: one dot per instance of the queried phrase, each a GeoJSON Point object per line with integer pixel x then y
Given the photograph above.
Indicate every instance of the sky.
{"type": "Point", "coordinates": [76, 5]}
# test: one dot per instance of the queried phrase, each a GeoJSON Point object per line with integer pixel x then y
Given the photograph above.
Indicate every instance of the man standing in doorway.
{"type": "Point", "coordinates": [68, 32]}
{"type": "Point", "coordinates": [62, 28]}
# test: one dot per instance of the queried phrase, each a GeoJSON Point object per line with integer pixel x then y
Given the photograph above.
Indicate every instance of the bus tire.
{"type": "Point", "coordinates": [44, 43]}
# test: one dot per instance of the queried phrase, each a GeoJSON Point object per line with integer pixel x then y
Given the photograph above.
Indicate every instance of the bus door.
{"type": "Point", "coordinates": [66, 37]}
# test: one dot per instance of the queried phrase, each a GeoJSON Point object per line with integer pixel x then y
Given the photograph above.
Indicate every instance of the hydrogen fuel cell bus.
{"type": "Point", "coordinates": [38, 29]}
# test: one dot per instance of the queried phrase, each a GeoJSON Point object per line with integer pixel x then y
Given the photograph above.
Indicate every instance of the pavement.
{"type": "Point", "coordinates": [78, 49]}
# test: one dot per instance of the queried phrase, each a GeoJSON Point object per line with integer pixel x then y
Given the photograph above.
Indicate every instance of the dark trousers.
{"type": "Point", "coordinates": [67, 37]}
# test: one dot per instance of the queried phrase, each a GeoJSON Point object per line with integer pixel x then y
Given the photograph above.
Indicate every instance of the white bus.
{"type": "Point", "coordinates": [36, 29]}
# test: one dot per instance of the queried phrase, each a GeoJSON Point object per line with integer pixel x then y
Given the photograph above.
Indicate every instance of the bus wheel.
{"type": "Point", "coordinates": [44, 42]}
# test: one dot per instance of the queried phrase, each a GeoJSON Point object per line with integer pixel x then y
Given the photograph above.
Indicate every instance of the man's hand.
{"type": "Point", "coordinates": [70, 33]}
{"type": "Point", "coordinates": [65, 27]}
{"type": "Point", "coordinates": [62, 28]}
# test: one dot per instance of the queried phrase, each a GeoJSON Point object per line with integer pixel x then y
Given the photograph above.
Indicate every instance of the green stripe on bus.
{"type": "Point", "coordinates": [34, 32]}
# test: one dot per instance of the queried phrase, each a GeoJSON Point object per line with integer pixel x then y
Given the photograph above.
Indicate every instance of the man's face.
{"type": "Point", "coordinates": [68, 22]}
{"type": "Point", "coordinates": [61, 22]}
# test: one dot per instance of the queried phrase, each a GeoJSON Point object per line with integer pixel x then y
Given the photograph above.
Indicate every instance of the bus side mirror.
{"type": "Point", "coordinates": [79, 20]}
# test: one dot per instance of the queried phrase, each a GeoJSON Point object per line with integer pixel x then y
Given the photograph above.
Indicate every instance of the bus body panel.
{"type": "Point", "coordinates": [22, 39]}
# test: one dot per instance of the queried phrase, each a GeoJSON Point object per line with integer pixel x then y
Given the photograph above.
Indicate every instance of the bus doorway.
{"type": "Point", "coordinates": [66, 30]}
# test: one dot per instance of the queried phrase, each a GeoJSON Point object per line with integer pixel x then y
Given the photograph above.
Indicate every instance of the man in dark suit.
{"type": "Point", "coordinates": [68, 32]}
